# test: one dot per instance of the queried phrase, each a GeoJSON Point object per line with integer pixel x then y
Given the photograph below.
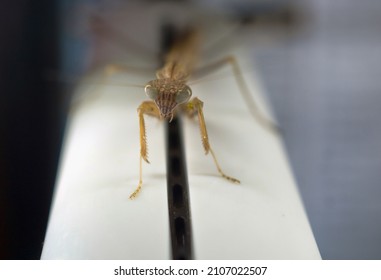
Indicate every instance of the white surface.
{"type": "Point", "coordinates": [92, 217]}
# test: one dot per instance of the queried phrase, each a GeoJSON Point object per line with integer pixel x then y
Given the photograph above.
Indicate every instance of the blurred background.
{"type": "Point", "coordinates": [319, 62]}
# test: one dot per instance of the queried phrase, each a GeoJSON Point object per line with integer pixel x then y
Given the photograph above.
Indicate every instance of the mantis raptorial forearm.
{"type": "Point", "coordinates": [195, 106]}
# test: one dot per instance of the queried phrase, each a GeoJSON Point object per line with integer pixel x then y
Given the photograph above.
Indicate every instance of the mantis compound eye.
{"type": "Point", "coordinates": [151, 92]}
{"type": "Point", "coordinates": [183, 95]}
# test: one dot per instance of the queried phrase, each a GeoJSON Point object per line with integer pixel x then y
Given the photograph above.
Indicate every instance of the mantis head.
{"type": "Point", "coordinates": [167, 94]}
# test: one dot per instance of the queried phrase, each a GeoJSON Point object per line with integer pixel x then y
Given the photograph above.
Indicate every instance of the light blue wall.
{"type": "Point", "coordinates": [325, 86]}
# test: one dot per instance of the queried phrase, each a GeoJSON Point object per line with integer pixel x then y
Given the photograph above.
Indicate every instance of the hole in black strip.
{"type": "Point", "coordinates": [180, 231]}
{"type": "Point", "coordinates": [181, 257]}
{"type": "Point", "coordinates": [174, 140]}
{"type": "Point", "coordinates": [178, 197]}
{"type": "Point", "coordinates": [175, 166]}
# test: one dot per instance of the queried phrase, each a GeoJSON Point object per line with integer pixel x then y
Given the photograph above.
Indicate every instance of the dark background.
{"type": "Point", "coordinates": [31, 118]}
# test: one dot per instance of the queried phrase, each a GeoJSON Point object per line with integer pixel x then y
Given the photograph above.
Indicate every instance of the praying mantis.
{"type": "Point", "coordinates": [170, 95]}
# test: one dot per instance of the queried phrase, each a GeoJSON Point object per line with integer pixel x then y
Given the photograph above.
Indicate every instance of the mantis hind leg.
{"type": "Point", "coordinates": [195, 106]}
{"type": "Point", "coordinates": [243, 88]}
{"type": "Point", "coordinates": [98, 79]}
